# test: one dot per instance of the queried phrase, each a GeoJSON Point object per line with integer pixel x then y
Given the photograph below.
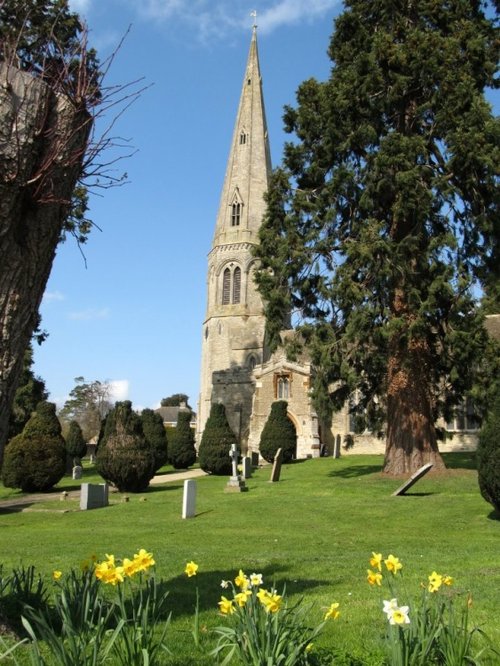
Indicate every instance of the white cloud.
{"type": "Point", "coordinates": [51, 296]}
{"type": "Point", "coordinates": [90, 314]}
{"type": "Point", "coordinates": [79, 5]}
{"type": "Point", "coordinates": [119, 389]}
{"type": "Point", "coordinates": [288, 12]}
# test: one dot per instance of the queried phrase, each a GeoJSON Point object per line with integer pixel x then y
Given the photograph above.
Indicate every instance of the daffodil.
{"type": "Point", "coordinates": [374, 577]}
{"type": "Point", "coordinates": [226, 606]}
{"type": "Point", "coordinates": [376, 561]}
{"type": "Point", "coordinates": [241, 580]}
{"type": "Point", "coordinates": [114, 576]}
{"type": "Point", "coordinates": [225, 584]}
{"type": "Point", "coordinates": [242, 597]}
{"type": "Point", "coordinates": [56, 574]}
{"type": "Point", "coordinates": [393, 564]}
{"type": "Point", "coordinates": [435, 582]}
{"type": "Point", "coordinates": [256, 579]}
{"type": "Point", "coordinates": [270, 600]}
{"type": "Point", "coordinates": [143, 560]}
{"type": "Point", "coordinates": [447, 580]}
{"type": "Point", "coordinates": [396, 614]}
{"type": "Point", "coordinates": [390, 605]}
{"type": "Point", "coordinates": [129, 567]}
{"type": "Point", "coordinates": [191, 569]}
{"type": "Point", "coordinates": [333, 611]}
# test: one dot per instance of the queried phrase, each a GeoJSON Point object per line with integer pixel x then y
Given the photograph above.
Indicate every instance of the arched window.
{"type": "Point", "coordinates": [236, 284]}
{"type": "Point", "coordinates": [252, 361]}
{"type": "Point", "coordinates": [236, 215]}
{"type": "Point", "coordinates": [226, 287]}
{"type": "Point", "coordinates": [283, 387]}
{"type": "Point", "coordinates": [243, 138]}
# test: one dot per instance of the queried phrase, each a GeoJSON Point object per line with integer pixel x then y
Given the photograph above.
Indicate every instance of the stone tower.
{"type": "Point", "coordinates": [234, 326]}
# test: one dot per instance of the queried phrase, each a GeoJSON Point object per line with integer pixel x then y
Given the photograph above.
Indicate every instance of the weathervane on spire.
{"type": "Point", "coordinates": [254, 14]}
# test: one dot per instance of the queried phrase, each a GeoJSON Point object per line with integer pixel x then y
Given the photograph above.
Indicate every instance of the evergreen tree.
{"type": "Point", "coordinates": [176, 400]}
{"type": "Point", "coordinates": [35, 460]}
{"type": "Point", "coordinates": [488, 456]}
{"type": "Point", "coordinates": [181, 449]}
{"type": "Point", "coordinates": [124, 456]}
{"type": "Point", "coordinates": [29, 393]}
{"type": "Point", "coordinates": [384, 220]}
{"type": "Point", "coordinates": [88, 403]}
{"type": "Point", "coordinates": [278, 433]}
{"type": "Point", "coordinates": [76, 446]}
{"type": "Point", "coordinates": [216, 443]}
{"type": "Point", "coordinates": [156, 436]}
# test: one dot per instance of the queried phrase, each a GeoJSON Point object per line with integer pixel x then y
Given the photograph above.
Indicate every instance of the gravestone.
{"type": "Point", "coordinates": [94, 496]}
{"type": "Point", "coordinates": [422, 471]}
{"type": "Point", "coordinates": [336, 446]}
{"type": "Point", "coordinates": [247, 467]}
{"type": "Point", "coordinates": [235, 483]}
{"type": "Point", "coordinates": [189, 499]}
{"type": "Point", "coordinates": [77, 472]}
{"type": "Point", "coordinates": [275, 474]}
{"type": "Point", "coordinates": [255, 459]}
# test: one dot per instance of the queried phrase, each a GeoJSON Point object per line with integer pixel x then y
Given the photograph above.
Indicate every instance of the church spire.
{"type": "Point", "coordinates": [249, 165]}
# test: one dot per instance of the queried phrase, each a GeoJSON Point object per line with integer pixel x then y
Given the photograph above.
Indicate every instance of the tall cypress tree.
{"type": "Point", "coordinates": [386, 211]}
{"type": "Point", "coordinates": [216, 442]}
{"type": "Point", "coordinates": [181, 450]}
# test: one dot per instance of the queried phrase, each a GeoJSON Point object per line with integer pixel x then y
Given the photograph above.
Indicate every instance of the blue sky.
{"type": "Point", "coordinates": [133, 316]}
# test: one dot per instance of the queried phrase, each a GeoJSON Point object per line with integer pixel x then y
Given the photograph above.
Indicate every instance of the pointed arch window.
{"type": "Point", "coordinates": [226, 287]}
{"type": "Point", "coordinates": [236, 215]}
{"type": "Point", "coordinates": [243, 138]}
{"type": "Point", "coordinates": [282, 385]}
{"type": "Point", "coordinates": [237, 285]}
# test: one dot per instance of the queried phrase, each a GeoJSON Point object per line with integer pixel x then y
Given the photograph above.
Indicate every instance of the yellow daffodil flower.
{"type": "Point", "coordinates": [143, 560]}
{"type": "Point", "coordinates": [242, 597]}
{"type": "Point", "coordinates": [376, 561]}
{"type": "Point", "coordinates": [435, 582]}
{"type": "Point", "coordinates": [447, 580]}
{"type": "Point", "coordinates": [393, 564]}
{"type": "Point", "coordinates": [332, 612]}
{"type": "Point", "coordinates": [374, 577]}
{"type": "Point", "coordinates": [226, 606]}
{"type": "Point", "coordinates": [56, 575]}
{"type": "Point", "coordinates": [129, 567]}
{"type": "Point", "coordinates": [241, 580]}
{"type": "Point", "coordinates": [191, 569]}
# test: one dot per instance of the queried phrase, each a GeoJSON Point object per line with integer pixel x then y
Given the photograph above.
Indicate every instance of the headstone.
{"type": "Point", "coordinates": [93, 496]}
{"type": "Point", "coordinates": [255, 459]}
{"type": "Point", "coordinates": [336, 446]}
{"type": "Point", "coordinates": [63, 496]}
{"type": "Point", "coordinates": [422, 471]}
{"type": "Point", "coordinates": [235, 483]}
{"type": "Point", "coordinates": [247, 467]}
{"type": "Point", "coordinates": [77, 472]}
{"type": "Point", "coordinates": [275, 474]}
{"type": "Point", "coordinates": [92, 459]}
{"type": "Point", "coordinates": [189, 499]}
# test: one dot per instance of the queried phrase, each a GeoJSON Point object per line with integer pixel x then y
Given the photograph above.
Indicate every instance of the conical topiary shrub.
{"type": "Point", "coordinates": [156, 435]}
{"type": "Point", "coordinates": [278, 433]}
{"type": "Point", "coordinates": [216, 443]}
{"type": "Point", "coordinates": [124, 456]}
{"type": "Point", "coordinates": [488, 456]}
{"type": "Point", "coordinates": [35, 460]}
{"type": "Point", "coordinates": [181, 450]}
{"type": "Point", "coordinates": [76, 447]}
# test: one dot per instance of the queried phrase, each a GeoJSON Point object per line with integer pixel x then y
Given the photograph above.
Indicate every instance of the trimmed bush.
{"type": "Point", "coordinates": [35, 460]}
{"type": "Point", "coordinates": [76, 446]}
{"type": "Point", "coordinates": [124, 456]}
{"type": "Point", "coordinates": [488, 456]}
{"type": "Point", "coordinates": [216, 443]}
{"type": "Point", "coordinates": [181, 450]}
{"type": "Point", "coordinates": [278, 433]}
{"type": "Point", "coordinates": [156, 436]}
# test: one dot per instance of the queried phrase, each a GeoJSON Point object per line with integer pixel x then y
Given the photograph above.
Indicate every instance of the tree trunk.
{"type": "Point", "coordinates": [43, 137]}
{"type": "Point", "coordinates": [411, 436]}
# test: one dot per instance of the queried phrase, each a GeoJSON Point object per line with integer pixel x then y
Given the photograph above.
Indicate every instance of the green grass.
{"type": "Point", "coordinates": [313, 531]}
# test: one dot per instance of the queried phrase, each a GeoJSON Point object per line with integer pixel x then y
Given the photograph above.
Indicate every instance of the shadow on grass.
{"type": "Point", "coordinates": [16, 507]}
{"type": "Point", "coordinates": [463, 460]}
{"type": "Point", "coordinates": [494, 515]}
{"type": "Point", "coordinates": [416, 494]}
{"type": "Point", "coordinates": [355, 470]}
{"type": "Point", "coordinates": [182, 590]}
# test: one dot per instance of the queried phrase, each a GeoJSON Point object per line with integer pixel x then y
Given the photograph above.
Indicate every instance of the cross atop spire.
{"type": "Point", "coordinates": [254, 15]}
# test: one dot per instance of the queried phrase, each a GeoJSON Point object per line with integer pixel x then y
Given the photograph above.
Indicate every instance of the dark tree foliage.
{"type": "Point", "coordinates": [30, 391]}
{"type": "Point", "coordinates": [35, 460]}
{"type": "Point", "coordinates": [488, 456]}
{"type": "Point", "coordinates": [278, 433]}
{"type": "Point", "coordinates": [384, 222]}
{"type": "Point", "coordinates": [216, 441]}
{"type": "Point", "coordinates": [156, 436]}
{"type": "Point", "coordinates": [76, 446]}
{"type": "Point", "coordinates": [181, 449]}
{"type": "Point", "coordinates": [124, 456]}
{"type": "Point", "coordinates": [176, 400]}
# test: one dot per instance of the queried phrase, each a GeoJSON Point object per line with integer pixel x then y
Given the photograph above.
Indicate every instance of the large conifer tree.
{"type": "Point", "coordinates": [387, 217]}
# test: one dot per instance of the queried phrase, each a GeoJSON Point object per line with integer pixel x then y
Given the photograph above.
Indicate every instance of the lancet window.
{"type": "Point", "coordinates": [231, 285]}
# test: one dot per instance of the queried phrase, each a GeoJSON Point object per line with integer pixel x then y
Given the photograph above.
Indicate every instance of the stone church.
{"type": "Point", "coordinates": [236, 368]}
